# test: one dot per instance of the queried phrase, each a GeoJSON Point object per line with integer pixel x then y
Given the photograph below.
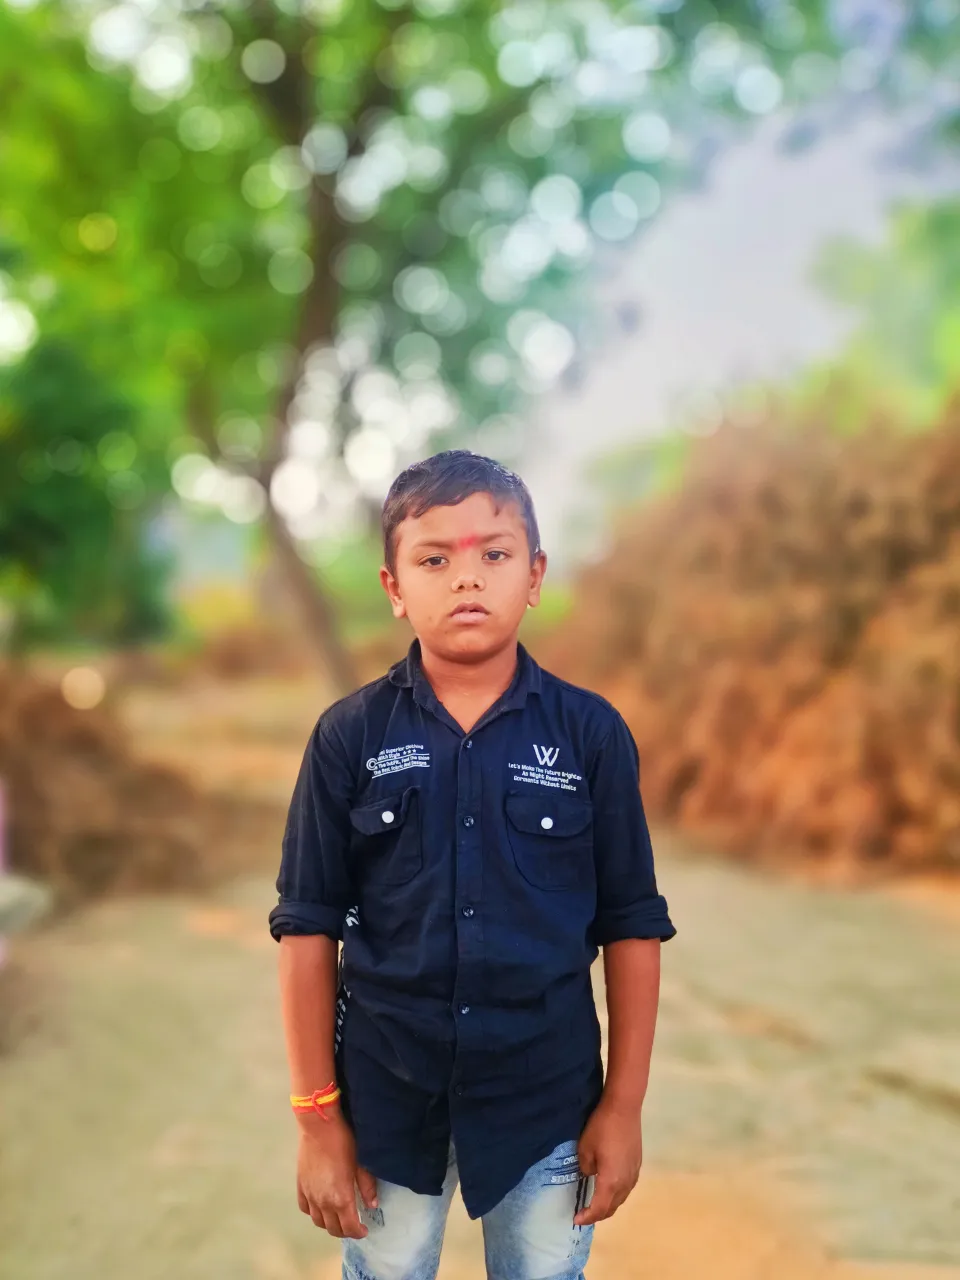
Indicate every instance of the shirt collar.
{"type": "Point", "coordinates": [408, 674]}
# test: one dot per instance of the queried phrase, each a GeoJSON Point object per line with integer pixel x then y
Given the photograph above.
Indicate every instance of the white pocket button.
{"type": "Point", "coordinates": [387, 815]}
{"type": "Point", "coordinates": [546, 823]}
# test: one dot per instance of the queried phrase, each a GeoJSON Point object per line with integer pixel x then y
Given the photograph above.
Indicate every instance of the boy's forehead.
{"type": "Point", "coordinates": [465, 522]}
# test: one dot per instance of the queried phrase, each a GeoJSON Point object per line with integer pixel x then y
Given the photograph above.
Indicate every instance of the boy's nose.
{"type": "Point", "coordinates": [468, 582]}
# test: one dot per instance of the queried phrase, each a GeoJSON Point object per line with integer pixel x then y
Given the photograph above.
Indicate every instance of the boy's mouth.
{"type": "Point", "coordinates": [470, 611]}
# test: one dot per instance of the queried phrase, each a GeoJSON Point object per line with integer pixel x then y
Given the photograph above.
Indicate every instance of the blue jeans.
{"type": "Point", "coordinates": [528, 1236]}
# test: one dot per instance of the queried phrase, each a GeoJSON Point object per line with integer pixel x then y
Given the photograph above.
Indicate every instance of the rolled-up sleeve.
{"type": "Point", "coordinates": [628, 902]}
{"type": "Point", "coordinates": [314, 883]}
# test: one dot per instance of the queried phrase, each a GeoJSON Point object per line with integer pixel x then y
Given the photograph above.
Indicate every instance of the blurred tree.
{"type": "Point", "coordinates": [73, 482]}
{"type": "Point", "coordinates": [322, 233]}
{"type": "Point", "coordinates": [905, 353]}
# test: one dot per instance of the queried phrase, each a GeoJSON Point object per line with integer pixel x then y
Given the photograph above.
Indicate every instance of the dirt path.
{"type": "Point", "coordinates": [805, 1103]}
{"type": "Point", "coordinates": [804, 1109]}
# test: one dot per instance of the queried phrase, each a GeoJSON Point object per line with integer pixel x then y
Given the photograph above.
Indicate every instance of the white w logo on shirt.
{"type": "Point", "coordinates": [546, 755]}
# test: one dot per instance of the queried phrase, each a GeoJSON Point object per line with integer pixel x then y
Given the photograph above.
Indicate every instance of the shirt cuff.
{"type": "Point", "coordinates": [301, 918]}
{"type": "Point", "coordinates": [646, 919]}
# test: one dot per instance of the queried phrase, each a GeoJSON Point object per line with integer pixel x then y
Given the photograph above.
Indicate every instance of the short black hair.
{"type": "Point", "coordinates": [445, 480]}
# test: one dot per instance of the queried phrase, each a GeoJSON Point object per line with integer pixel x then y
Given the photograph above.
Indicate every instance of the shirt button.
{"type": "Point", "coordinates": [468, 821]}
{"type": "Point", "coordinates": [458, 1090]}
{"type": "Point", "coordinates": [464, 1009]}
{"type": "Point", "coordinates": [469, 743]}
{"type": "Point", "coordinates": [387, 815]}
{"type": "Point", "coordinates": [546, 823]}
{"type": "Point", "coordinates": [466, 911]}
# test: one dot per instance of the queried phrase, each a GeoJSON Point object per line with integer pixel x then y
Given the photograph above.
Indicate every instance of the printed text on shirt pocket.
{"type": "Point", "coordinates": [552, 840]}
{"type": "Point", "coordinates": [387, 837]}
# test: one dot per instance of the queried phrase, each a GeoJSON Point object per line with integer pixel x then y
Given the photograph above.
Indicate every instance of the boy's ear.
{"type": "Point", "coordinates": [537, 570]}
{"type": "Point", "coordinates": [389, 584]}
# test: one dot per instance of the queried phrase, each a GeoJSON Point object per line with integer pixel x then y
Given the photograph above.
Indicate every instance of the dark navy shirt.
{"type": "Point", "coordinates": [472, 878]}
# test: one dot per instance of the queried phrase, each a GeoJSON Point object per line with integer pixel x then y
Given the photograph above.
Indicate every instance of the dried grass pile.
{"type": "Point", "coordinates": [84, 814]}
{"type": "Point", "coordinates": [783, 635]}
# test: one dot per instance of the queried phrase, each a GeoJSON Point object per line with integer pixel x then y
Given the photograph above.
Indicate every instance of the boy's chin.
{"type": "Point", "coordinates": [473, 642]}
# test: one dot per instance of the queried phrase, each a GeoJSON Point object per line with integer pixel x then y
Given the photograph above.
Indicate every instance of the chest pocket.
{"type": "Point", "coordinates": [387, 837]}
{"type": "Point", "coordinates": [552, 840]}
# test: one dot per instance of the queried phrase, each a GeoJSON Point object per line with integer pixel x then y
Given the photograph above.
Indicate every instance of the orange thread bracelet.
{"type": "Point", "coordinates": [316, 1101]}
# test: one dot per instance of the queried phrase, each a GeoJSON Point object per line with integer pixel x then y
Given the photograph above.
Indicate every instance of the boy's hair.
{"type": "Point", "coordinates": [445, 480]}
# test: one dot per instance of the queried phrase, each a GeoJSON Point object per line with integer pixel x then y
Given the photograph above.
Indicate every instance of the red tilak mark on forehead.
{"type": "Point", "coordinates": [467, 541]}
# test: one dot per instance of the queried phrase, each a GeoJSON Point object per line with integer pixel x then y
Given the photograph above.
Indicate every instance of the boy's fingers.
{"type": "Point", "coordinates": [351, 1227]}
{"type": "Point", "coordinates": [600, 1207]}
{"type": "Point", "coordinates": [302, 1200]}
{"type": "Point", "coordinates": [368, 1188]}
{"type": "Point", "coordinates": [330, 1223]}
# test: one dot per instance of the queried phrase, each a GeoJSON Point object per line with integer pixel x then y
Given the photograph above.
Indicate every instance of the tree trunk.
{"type": "Point", "coordinates": [292, 100]}
{"type": "Point", "coordinates": [315, 610]}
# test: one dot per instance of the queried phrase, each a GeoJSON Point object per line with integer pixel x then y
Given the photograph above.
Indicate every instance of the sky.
{"type": "Point", "coordinates": [722, 280]}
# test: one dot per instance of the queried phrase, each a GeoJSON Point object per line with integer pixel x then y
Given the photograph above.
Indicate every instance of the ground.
{"type": "Point", "coordinates": [803, 1120]}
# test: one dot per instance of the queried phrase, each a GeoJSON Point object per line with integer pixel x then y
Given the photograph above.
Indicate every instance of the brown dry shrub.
{"type": "Point", "coordinates": [783, 635]}
{"type": "Point", "coordinates": [84, 814]}
{"type": "Point", "coordinates": [241, 651]}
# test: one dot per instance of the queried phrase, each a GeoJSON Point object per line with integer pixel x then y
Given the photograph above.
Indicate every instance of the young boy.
{"type": "Point", "coordinates": [471, 827]}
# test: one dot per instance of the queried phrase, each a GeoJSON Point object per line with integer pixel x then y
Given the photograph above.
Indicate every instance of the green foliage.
{"type": "Point", "coordinates": [421, 183]}
{"type": "Point", "coordinates": [329, 236]}
{"type": "Point", "coordinates": [73, 480]}
{"type": "Point", "coordinates": [905, 352]}
{"type": "Point", "coordinates": [349, 572]}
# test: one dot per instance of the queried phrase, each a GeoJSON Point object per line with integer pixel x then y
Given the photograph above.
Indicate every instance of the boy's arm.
{"type": "Point", "coordinates": [327, 1170]}
{"type": "Point", "coordinates": [308, 998]}
{"type": "Point", "coordinates": [315, 892]}
{"type": "Point", "coordinates": [632, 973]}
{"type": "Point", "coordinates": [630, 924]}
{"type": "Point", "coordinates": [611, 1147]}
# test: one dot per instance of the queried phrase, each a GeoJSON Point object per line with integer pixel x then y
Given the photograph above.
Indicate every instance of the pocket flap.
{"type": "Point", "coordinates": [548, 815]}
{"type": "Point", "coordinates": [385, 814]}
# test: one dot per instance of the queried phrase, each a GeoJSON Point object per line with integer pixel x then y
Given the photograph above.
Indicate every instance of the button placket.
{"type": "Point", "coordinates": [469, 892]}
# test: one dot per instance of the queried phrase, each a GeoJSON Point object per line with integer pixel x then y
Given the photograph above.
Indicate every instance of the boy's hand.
{"type": "Point", "coordinates": [611, 1148]}
{"type": "Point", "coordinates": [327, 1174]}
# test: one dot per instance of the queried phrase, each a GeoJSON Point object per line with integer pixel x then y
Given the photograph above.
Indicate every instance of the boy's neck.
{"type": "Point", "coordinates": [474, 686]}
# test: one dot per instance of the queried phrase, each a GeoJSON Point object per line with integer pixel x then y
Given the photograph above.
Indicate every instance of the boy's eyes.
{"type": "Point", "coordinates": [494, 556]}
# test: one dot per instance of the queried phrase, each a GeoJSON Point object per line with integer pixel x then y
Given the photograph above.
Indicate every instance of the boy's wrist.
{"type": "Point", "coordinates": [625, 1103]}
{"type": "Point", "coordinates": [315, 1125]}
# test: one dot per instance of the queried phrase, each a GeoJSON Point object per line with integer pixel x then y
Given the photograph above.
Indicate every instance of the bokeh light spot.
{"type": "Point", "coordinates": [295, 488]}
{"type": "Point", "coordinates": [324, 148]}
{"type": "Point", "coordinates": [97, 232]}
{"type": "Point", "coordinates": [418, 356]}
{"type": "Point", "coordinates": [290, 271]}
{"type": "Point", "coordinates": [117, 451]}
{"type": "Point", "coordinates": [357, 266]}
{"type": "Point", "coordinates": [83, 688]}
{"type": "Point", "coordinates": [263, 61]}
{"type": "Point", "coordinates": [164, 67]}
{"type": "Point", "coordinates": [556, 199]}
{"type": "Point", "coordinates": [643, 190]}
{"type": "Point", "coordinates": [646, 136]}
{"type": "Point", "coordinates": [18, 330]}
{"type": "Point", "coordinates": [520, 63]}
{"type": "Point", "coordinates": [758, 90]}
{"type": "Point", "coordinates": [613, 216]}
{"type": "Point", "coordinates": [200, 128]}
{"type": "Point", "coordinates": [421, 289]}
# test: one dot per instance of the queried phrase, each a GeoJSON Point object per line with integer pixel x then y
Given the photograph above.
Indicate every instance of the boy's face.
{"type": "Point", "coordinates": [464, 576]}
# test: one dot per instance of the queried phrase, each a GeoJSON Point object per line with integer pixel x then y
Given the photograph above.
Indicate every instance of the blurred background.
{"type": "Point", "coordinates": [693, 269]}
